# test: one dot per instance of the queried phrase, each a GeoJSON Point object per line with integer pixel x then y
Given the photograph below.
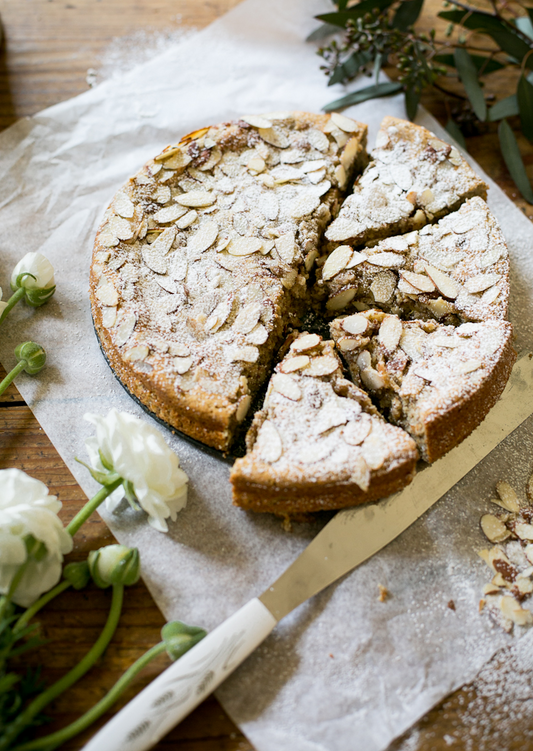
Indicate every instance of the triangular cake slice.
{"type": "Point", "coordinates": [412, 179]}
{"type": "Point", "coordinates": [201, 261]}
{"type": "Point", "coordinates": [437, 382]}
{"type": "Point", "coordinates": [456, 270]}
{"type": "Point", "coordinates": [318, 443]}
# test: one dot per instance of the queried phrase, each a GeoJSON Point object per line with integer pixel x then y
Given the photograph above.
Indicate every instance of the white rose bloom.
{"type": "Point", "coordinates": [39, 266]}
{"type": "Point", "coordinates": [3, 305]}
{"type": "Point", "coordinates": [138, 453]}
{"type": "Point", "coordinates": [27, 509]}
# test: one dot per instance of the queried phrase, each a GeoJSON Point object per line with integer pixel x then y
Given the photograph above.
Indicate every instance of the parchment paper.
{"type": "Point", "coordinates": [344, 671]}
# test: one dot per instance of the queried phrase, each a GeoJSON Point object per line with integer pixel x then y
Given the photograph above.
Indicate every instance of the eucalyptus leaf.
{"type": "Point", "coordinates": [350, 67]}
{"type": "Point", "coordinates": [524, 95]}
{"type": "Point", "coordinates": [407, 14]}
{"type": "Point", "coordinates": [370, 92]}
{"type": "Point", "coordinates": [412, 99]}
{"type": "Point", "coordinates": [507, 107]}
{"type": "Point", "coordinates": [455, 131]}
{"type": "Point", "coordinates": [513, 160]}
{"type": "Point", "coordinates": [323, 31]}
{"type": "Point", "coordinates": [480, 61]}
{"type": "Point", "coordinates": [341, 4]}
{"type": "Point", "coordinates": [341, 18]}
{"type": "Point", "coordinates": [468, 75]}
{"type": "Point", "coordinates": [504, 36]}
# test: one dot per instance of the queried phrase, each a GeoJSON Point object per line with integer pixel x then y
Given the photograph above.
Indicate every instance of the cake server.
{"type": "Point", "coordinates": [350, 538]}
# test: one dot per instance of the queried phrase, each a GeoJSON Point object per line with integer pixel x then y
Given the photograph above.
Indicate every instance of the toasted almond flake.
{"type": "Point", "coordinates": [168, 283]}
{"type": "Point", "coordinates": [356, 324]}
{"type": "Point", "coordinates": [256, 121]}
{"type": "Point", "coordinates": [257, 335]}
{"type": "Point", "coordinates": [508, 496]}
{"type": "Point", "coordinates": [154, 260]}
{"type": "Point", "coordinates": [244, 246]}
{"type": "Point", "coordinates": [123, 205]}
{"type": "Point", "coordinates": [169, 214]}
{"type": "Point", "coordinates": [512, 609]}
{"type": "Point", "coordinates": [248, 317]}
{"type": "Point", "coordinates": [341, 176]}
{"type": "Point", "coordinates": [286, 386]}
{"type": "Point", "coordinates": [204, 237]}
{"type": "Point", "coordinates": [220, 314]}
{"type": "Point", "coordinates": [135, 354]}
{"type": "Point", "coordinates": [494, 529]}
{"type": "Point", "coordinates": [445, 340]}
{"type": "Point", "coordinates": [305, 342]}
{"type": "Point", "coordinates": [374, 451]}
{"type": "Point", "coordinates": [107, 294]}
{"type": "Point", "coordinates": [356, 259]}
{"type": "Point", "coordinates": [390, 333]}
{"type": "Point", "coordinates": [313, 165]}
{"type": "Point", "coordinates": [406, 288]}
{"type": "Point", "coordinates": [444, 283]}
{"type": "Point", "coordinates": [490, 589]}
{"type": "Point", "coordinates": [355, 432]}
{"type": "Point", "coordinates": [524, 531]}
{"type": "Point", "coordinates": [257, 164]}
{"type": "Point", "coordinates": [162, 194]}
{"type": "Point", "coordinates": [322, 366]}
{"type": "Point", "coordinates": [242, 354]}
{"type": "Point", "coordinates": [455, 157]}
{"type": "Point", "coordinates": [481, 282]}
{"type": "Point", "coordinates": [164, 242]}
{"type": "Point", "coordinates": [286, 247]}
{"type": "Point", "coordinates": [349, 154]}
{"type": "Point", "coordinates": [304, 205]}
{"type": "Point", "coordinates": [420, 282]}
{"type": "Point", "coordinates": [178, 350]}
{"type": "Point", "coordinates": [318, 140]}
{"type": "Point", "coordinates": [243, 407]}
{"type": "Point", "coordinates": [372, 379]}
{"type": "Point", "coordinates": [490, 257]}
{"type": "Point", "coordinates": [274, 136]}
{"type": "Point", "coordinates": [187, 219]}
{"type": "Point", "coordinates": [465, 221]}
{"type": "Point", "coordinates": [121, 228]}
{"type": "Point", "coordinates": [167, 153]}
{"type": "Point", "coordinates": [214, 158]}
{"type": "Point", "coordinates": [336, 262]}
{"type": "Point", "coordinates": [341, 300]}
{"type": "Point", "coordinates": [182, 365]}
{"type": "Point", "coordinates": [468, 367]}
{"type": "Point", "coordinates": [490, 296]}
{"type": "Point", "coordinates": [124, 328]}
{"type": "Point", "coordinates": [426, 197]}
{"type": "Point", "coordinates": [196, 199]}
{"type": "Point", "coordinates": [268, 443]}
{"type": "Point", "coordinates": [292, 364]}
{"type": "Point", "coordinates": [344, 123]}
{"type": "Point", "coordinates": [109, 316]}
{"type": "Point", "coordinates": [393, 260]}
{"type": "Point", "coordinates": [107, 238]}
{"type": "Point", "coordinates": [347, 345]}
{"type": "Point", "coordinates": [383, 286]}
{"type": "Point", "coordinates": [440, 307]}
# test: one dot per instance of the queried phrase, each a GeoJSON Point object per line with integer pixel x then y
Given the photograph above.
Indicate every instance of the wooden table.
{"type": "Point", "coordinates": [50, 45]}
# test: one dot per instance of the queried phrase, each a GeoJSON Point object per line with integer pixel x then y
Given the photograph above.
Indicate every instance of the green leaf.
{"type": "Point", "coordinates": [525, 25]}
{"type": "Point", "coordinates": [342, 17]}
{"type": "Point", "coordinates": [341, 4]}
{"type": "Point", "coordinates": [370, 92]}
{"type": "Point", "coordinates": [507, 107]}
{"type": "Point", "coordinates": [485, 23]}
{"type": "Point", "coordinates": [350, 67]}
{"type": "Point", "coordinates": [524, 95]}
{"type": "Point", "coordinates": [513, 160]}
{"type": "Point", "coordinates": [468, 75]}
{"type": "Point", "coordinates": [412, 99]}
{"type": "Point", "coordinates": [407, 14]}
{"type": "Point", "coordinates": [455, 131]}
{"type": "Point", "coordinates": [323, 31]}
{"type": "Point", "coordinates": [480, 61]}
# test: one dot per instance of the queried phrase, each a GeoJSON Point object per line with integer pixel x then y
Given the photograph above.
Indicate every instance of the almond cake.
{"type": "Point", "coordinates": [211, 256]}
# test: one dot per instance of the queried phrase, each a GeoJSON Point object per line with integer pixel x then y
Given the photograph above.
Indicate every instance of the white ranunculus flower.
{"type": "Point", "coordinates": [37, 265]}
{"type": "Point", "coordinates": [27, 509]}
{"type": "Point", "coordinates": [138, 453]}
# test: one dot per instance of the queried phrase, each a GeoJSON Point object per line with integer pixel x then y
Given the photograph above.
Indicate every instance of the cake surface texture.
{"type": "Point", "coordinates": [209, 260]}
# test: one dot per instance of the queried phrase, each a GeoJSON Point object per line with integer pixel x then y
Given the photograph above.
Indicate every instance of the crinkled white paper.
{"type": "Point", "coordinates": [344, 671]}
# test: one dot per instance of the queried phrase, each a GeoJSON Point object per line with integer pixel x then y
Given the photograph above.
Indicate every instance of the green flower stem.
{"type": "Point", "coordinates": [25, 718]}
{"type": "Point", "coordinates": [50, 742]}
{"type": "Point", "coordinates": [12, 374]}
{"type": "Point", "coordinates": [13, 300]}
{"type": "Point", "coordinates": [82, 516]}
{"type": "Point", "coordinates": [40, 603]}
{"type": "Point", "coordinates": [4, 602]}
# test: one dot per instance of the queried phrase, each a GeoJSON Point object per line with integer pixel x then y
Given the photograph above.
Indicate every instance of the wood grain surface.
{"type": "Point", "coordinates": [49, 46]}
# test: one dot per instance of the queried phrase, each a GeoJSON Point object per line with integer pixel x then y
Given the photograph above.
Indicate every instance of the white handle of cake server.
{"type": "Point", "coordinates": [181, 687]}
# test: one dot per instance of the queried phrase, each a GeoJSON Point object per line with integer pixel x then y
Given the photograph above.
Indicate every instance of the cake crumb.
{"type": "Point", "coordinates": [384, 593]}
{"type": "Point", "coordinates": [451, 605]}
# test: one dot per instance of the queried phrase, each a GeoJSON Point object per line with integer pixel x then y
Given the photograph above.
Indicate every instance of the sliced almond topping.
{"type": "Point", "coordinates": [124, 328]}
{"type": "Point", "coordinates": [337, 261]}
{"type": "Point", "coordinates": [294, 363]}
{"type": "Point", "coordinates": [286, 247]}
{"type": "Point", "coordinates": [508, 496]}
{"type": "Point", "coordinates": [162, 194]}
{"type": "Point", "coordinates": [455, 157]}
{"type": "Point", "coordinates": [196, 199]}
{"type": "Point", "coordinates": [248, 317]}
{"type": "Point", "coordinates": [318, 140]}
{"type": "Point", "coordinates": [420, 281]}
{"type": "Point", "coordinates": [256, 121]}
{"type": "Point", "coordinates": [314, 452]}
{"type": "Point", "coordinates": [346, 344]}
{"type": "Point", "coordinates": [481, 282]}
{"type": "Point", "coordinates": [204, 237]}
{"type": "Point", "coordinates": [187, 219]}
{"type": "Point", "coordinates": [494, 529]}
{"type": "Point", "coordinates": [257, 335]}
{"type": "Point", "coordinates": [109, 316]}
{"type": "Point", "coordinates": [341, 176]}
{"type": "Point", "coordinates": [440, 307]}
{"type": "Point", "coordinates": [512, 609]}
{"type": "Point", "coordinates": [107, 238]}
{"type": "Point", "coordinates": [286, 386]}
{"type": "Point", "coordinates": [524, 531]}
{"type": "Point", "coordinates": [356, 324]}
{"type": "Point", "coordinates": [444, 283]}
{"type": "Point", "coordinates": [274, 136]}
{"type": "Point", "coordinates": [374, 451]}
{"type": "Point", "coordinates": [372, 379]}
{"type": "Point", "coordinates": [268, 444]}
{"type": "Point", "coordinates": [120, 228]}
{"type": "Point", "coordinates": [304, 205]}
{"type": "Point", "coordinates": [390, 333]}
{"type": "Point", "coordinates": [242, 354]}
{"type": "Point", "coordinates": [322, 366]}
{"type": "Point", "coordinates": [313, 165]}
{"type": "Point", "coordinates": [107, 294]}
{"type": "Point", "coordinates": [490, 589]}
{"type": "Point", "coordinates": [256, 164]}
{"type": "Point", "coordinates": [244, 246]}
{"type": "Point", "coordinates": [468, 367]}
{"type": "Point", "coordinates": [178, 350]}
{"type": "Point", "coordinates": [169, 214]}
{"type": "Point", "coordinates": [341, 300]}
{"type": "Point", "coordinates": [490, 296]}
{"type": "Point", "coordinates": [243, 407]}
{"type": "Point", "coordinates": [344, 123]}
{"type": "Point", "coordinates": [356, 259]}
{"type": "Point", "coordinates": [383, 286]}
{"type": "Point", "coordinates": [306, 342]}
{"type": "Point", "coordinates": [123, 205]}
{"type": "Point", "coordinates": [135, 354]}
{"type": "Point", "coordinates": [491, 256]}
{"type": "Point", "coordinates": [426, 197]}
{"type": "Point", "coordinates": [386, 259]}
{"type": "Point", "coordinates": [220, 315]}
{"type": "Point", "coordinates": [355, 432]}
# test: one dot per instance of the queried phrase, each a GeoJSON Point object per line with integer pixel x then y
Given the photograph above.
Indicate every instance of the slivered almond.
{"type": "Point", "coordinates": [337, 261]}
{"type": "Point", "coordinates": [286, 386]}
{"type": "Point", "coordinates": [243, 407]}
{"type": "Point", "coordinates": [444, 283]}
{"type": "Point", "coordinates": [468, 367]}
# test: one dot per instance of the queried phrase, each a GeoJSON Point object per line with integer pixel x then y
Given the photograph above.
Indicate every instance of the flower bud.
{"type": "Point", "coordinates": [179, 638]}
{"type": "Point", "coordinates": [35, 274]}
{"type": "Point", "coordinates": [114, 564]}
{"type": "Point", "coordinates": [33, 354]}
{"type": "Point", "coordinates": [77, 574]}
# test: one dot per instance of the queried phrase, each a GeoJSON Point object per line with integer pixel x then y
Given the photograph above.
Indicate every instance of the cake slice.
{"type": "Point", "coordinates": [318, 443]}
{"type": "Point", "coordinates": [413, 178]}
{"type": "Point", "coordinates": [455, 271]}
{"type": "Point", "coordinates": [201, 261]}
{"type": "Point", "coordinates": [437, 382]}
